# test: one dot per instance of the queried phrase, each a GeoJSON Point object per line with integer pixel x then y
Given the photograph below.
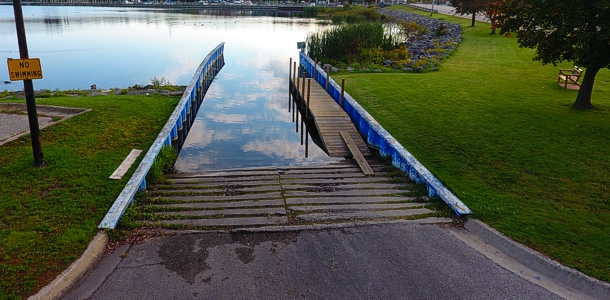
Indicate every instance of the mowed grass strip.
{"type": "Point", "coordinates": [495, 127]}
{"type": "Point", "coordinates": [49, 215]}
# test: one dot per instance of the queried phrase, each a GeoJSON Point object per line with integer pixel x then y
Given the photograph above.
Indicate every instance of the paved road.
{"type": "Point", "coordinates": [449, 10]}
{"type": "Point", "coordinates": [377, 262]}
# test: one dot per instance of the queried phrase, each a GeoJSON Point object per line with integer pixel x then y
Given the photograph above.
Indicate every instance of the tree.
{"type": "Point", "coordinates": [492, 13]}
{"type": "Point", "coordinates": [466, 7]}
{"type": "Point", "coordinates": [562, 30]}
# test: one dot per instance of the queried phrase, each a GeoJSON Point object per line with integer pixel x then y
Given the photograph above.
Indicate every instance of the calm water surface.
{"type": "Point", "coordinates": [244, 120]}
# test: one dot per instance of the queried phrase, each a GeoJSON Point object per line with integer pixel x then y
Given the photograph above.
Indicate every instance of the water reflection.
{"type": "Point", "coordinates": [250, 121]}
{"type": "Point", "coordinates": [114, 47]}
{"type": "Point", "coordinates": [244, 119]}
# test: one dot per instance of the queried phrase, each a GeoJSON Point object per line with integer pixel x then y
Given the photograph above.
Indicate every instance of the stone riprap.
{"type": "Point", "coordinates": [426, 46]}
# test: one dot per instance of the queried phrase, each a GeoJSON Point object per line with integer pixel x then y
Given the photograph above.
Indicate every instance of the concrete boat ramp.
{"type": "Point", "coordinates": [284, 196]}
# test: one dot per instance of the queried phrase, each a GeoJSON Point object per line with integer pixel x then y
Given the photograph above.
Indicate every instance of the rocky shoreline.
{"type": "Point", "coordinates": [173, 90]}
{"type": "Point", "coordinates": [428, 49]}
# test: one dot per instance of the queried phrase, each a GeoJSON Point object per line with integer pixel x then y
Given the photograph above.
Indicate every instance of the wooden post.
{"type": "Point", "coordinates": [327, 77]}
{"type": "Point", "coordinates": [303, 93]}
{"type": "Point", "coordinates": [306, 142]}
{"type": "Point", "coordinates": [289, 69]}
{"type": "Point", "coordinates": [315, 68]}
{"type": "Point", "coordinates": [308, 90]}
{"type": "Point", "coordinates": [342, 90]}
{"type": "Point", "coordinates": [294, 74]}
{"type": "Point", "coordinates": [298, 79]}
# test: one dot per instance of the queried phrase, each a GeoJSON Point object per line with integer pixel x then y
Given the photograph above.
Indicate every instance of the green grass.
{"type": "Point", "coordinates": [49, 215]}
{"type": "Point", "coordinates": [495, 127]}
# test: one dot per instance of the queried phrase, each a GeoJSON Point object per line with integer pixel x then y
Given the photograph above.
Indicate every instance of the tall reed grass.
{"type": "Point", "coordinates": [345, 43]}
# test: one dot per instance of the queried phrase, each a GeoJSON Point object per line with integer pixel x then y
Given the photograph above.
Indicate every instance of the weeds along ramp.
{"type": "Point", "coordinates": [338, 193]}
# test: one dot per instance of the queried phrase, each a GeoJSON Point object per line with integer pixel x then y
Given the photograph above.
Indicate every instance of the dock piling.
{"type": "Point", "coordinates": [294, 74]}
{"type": "Point", "coordinates": [342, 90]}
{"type": "Point", "coordinates": [327, 76]}
{"type": "Point", "coordinates": [303, 93]}
{"type": "Point", "coordinates": [308, 90]}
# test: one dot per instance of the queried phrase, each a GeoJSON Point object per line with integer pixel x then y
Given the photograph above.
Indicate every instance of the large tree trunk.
{"type": "Point", "coordinates": [583, 100]}
{"type": "Point", "coordinates": [474, 15]}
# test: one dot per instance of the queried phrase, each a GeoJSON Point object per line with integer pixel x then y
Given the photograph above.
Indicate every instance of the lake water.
{"type": "Point", "coordinates": [244, 120]}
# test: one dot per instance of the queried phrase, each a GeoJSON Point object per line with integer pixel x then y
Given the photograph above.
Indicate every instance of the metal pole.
{"type": "Point", "coordinates": [28, 88]}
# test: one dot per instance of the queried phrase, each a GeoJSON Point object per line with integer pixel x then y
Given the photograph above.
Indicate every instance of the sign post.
{"type": "Point", "coordinates": [25, 68]}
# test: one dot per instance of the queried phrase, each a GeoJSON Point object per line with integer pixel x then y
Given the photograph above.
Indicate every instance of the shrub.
{"type": "Point", "coordinates": [441, 30]}
{"type": "Point", "coordinates": [337, 19]}
{"type": "Point", "coordinates": [400, 55]}
{"type": "Point", "coordinates": [351, 19]}
{"type": "Point", "coordinates": [312, 11]}
{"type": "Point", "coordinates": [159, 82]}
{"type": "Point", "coordinates": [374, 55]}
{"type": "Point", "coordinates": [346, 42]}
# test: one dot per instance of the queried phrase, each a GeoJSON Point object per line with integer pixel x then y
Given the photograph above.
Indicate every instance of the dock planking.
{"type": "Point", "coordinates": [330, 119]}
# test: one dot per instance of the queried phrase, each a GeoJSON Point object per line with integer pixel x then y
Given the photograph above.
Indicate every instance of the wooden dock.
{"type": "Point", "coordinates": [330, 119]}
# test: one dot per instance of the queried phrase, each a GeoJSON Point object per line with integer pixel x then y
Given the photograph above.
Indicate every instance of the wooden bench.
{"type": "Point", "coordinates": [569, 76]}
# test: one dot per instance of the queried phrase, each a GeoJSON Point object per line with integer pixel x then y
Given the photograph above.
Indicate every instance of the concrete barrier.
{"type": "Point", "coordinates": [173, 133]}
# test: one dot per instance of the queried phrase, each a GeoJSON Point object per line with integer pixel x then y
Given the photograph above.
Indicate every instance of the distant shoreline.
{"type": "Point", "coordinates": [168, 6]}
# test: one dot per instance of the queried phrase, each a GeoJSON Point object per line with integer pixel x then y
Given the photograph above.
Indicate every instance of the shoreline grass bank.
{"type": "Point", "coordinates": [498, 130]}
{"type": "Point", "coordinates": [51, 213]}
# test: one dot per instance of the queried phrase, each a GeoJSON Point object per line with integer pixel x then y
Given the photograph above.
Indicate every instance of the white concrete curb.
{"type": "Point", "coordinates": [539, 263]}
{"type": "Point", "coordinates": [75, 271]}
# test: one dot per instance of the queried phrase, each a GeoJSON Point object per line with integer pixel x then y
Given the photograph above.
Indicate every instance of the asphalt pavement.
{"type": "Point", "coordinates": [450, 10]}
{"type": "Point", "coordinates": [391, 261]}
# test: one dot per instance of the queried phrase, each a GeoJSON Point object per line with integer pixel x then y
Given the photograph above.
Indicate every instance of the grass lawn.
{"type": "Point", "coordinates": [495, 127]}
{"type": "Point", "coordinates": [50, 214]}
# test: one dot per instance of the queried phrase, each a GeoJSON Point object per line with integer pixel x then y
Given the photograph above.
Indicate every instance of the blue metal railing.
{"type": "Point", "coordinates": [378, 137]}
{"type": "Point", "coordinates": [173, 133]}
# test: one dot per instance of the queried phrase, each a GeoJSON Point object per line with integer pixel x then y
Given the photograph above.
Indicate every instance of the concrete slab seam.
{"type": "Point", "coordinates": [426, 221]}
{"type": "Point", "coordinates": [70, 276]}
{"type": "Point", "coordinates": [568, 277]}
{"type": "Point", "coordinates": [43, 126]}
